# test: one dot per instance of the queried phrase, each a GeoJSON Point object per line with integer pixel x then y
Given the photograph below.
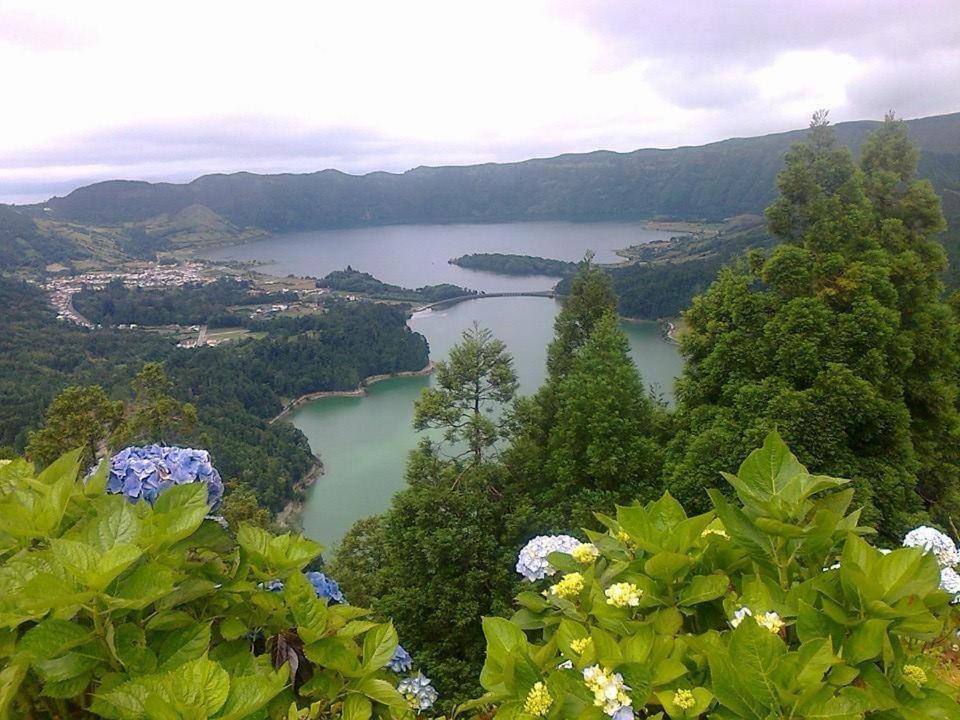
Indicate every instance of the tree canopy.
{"type": "Point", "coordinates": [839, 338]}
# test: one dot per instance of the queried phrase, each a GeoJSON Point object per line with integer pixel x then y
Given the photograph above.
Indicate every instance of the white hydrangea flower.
{"type": "Point", "coordinates": [532, 561]}
{"type": "Point", "coordinates": [609, 690]}
{"type": "Point", "coordinates": [950, 582]}
{"type": "Point", "coordinates": [932, 540]}
{"type": "Point", "coordinates": [739, 615]}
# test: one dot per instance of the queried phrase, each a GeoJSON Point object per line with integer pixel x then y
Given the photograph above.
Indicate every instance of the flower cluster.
{"type": "Point", "coordinates": [609, 692]}
{"type": "Point", "coordinates": [569, 586]}
{"type": "Point", "coordinates": [325, 586]}
{"type": "Point", "coordinates": [585, 553]}
{"type": "Point", "coordinates": [915, 675]}
{"type": "Point", "coordinates": [579, 645]}
{"type": "Point", "coordinates": [944, 549]}
{"type": "Point", "coordinates": [623, 595]}
{"type": "Point", "coordinates": [401, 661]}
{"type": "Point", "coordinates": [532, 562]}
{"type": "Point", "coordinates": [418, 690]}
{"type": "Point", "coordinates": [936, 542]}
{"type": "Point", "coordinates": [684, 699]}
{"type": "Point", "coordinates": [714, 531]}
{"type": "Point", "coordinates": [538, 700]}
{"type": "Point", "coordinates": [145, 472]}
{"type": "Point", "coordinates": [769, 620]}
{"type": "Point", "coordinates": [738, 616]}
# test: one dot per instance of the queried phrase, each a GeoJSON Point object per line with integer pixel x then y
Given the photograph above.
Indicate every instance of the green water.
{"type": "Point", "coordinates": [364, 441]}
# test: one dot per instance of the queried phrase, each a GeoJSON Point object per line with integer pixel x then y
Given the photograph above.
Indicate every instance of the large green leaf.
{"type": "Point", "coordinates": [379, 645]}
{"type": "Point", "coordinates": [182, 646]}
{"type": "Point", "coordinates": [251, 693]}
{"type": "Point", "coordinates": [51, 638]}
{"type": "Point", "coordinates": [703, 588]}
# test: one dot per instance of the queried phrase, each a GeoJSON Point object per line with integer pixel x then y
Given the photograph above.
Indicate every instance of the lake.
{"type": "Point", "coordinates": [364, 441]}
{"type": "Point", "coordinates": [416, 255]}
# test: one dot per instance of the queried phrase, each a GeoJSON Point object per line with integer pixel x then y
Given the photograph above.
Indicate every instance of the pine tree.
{"type": "Point", "coordinates": [838, 338]}
{"type": "Point", "coordinates": [470, 386]}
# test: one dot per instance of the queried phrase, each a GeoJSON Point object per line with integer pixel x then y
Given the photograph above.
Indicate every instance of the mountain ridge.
{"type": "Point", "coordinates": [601, 184]}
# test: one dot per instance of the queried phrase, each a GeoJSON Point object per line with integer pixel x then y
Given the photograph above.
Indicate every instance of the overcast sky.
{"type": "Point", "coordinates": [98, 89]}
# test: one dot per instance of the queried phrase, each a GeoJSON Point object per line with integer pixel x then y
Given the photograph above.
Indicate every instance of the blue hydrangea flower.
{"type": "Point", "coordinates": [419, 691]}
{"type": "Point", "coordinates": [326, 587]}
{"type": "Point", "coordinates": [401, 661]}
{"type": "Point", "coordinates": [145, 472]}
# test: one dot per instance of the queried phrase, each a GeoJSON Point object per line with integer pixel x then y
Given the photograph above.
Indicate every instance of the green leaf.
{"type": "Point", "coordinates": [334, 652]}
{"type": "Point", "coordinates": [378, 646]}
{"type": "Point", "coordinates": [703, 588]}
{"type": "Point", "coordinates": [866, 641]}
{"type": "Point", "coordinates": [232, 628]}
{"type": "Point", "coordinates": [251, 693]}
{"type": "Point", "coordinates": [767, 470]}
{"type": "Point", "coordinates": [11, 677]}
{"type": "Point", "coordinates": [177, 513]}
{"type": "Point", "coordinates": [182, 646]}
{"type": "Point", "coordinates": [309, 612]}
{"type": "Point", "coordinates": [667, 566]}
{"type": "Point", "coordinates": [382, 692]}
{"type": "Point", "coordinates": [357, 707]}
{"type": "Point", "coordinates": [754, 652]}
{"type": "Point", "coordinates": [66, 667]}
{"type": "Point", "coordinates": [69, 688]}
{"type": "Point", "coordinates": [51, 638]}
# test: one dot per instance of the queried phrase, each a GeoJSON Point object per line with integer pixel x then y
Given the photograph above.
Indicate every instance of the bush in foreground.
{"type": "Point", "coordinates": [775, 607]}
{"type": "Point", "coordinates": [120, 606]}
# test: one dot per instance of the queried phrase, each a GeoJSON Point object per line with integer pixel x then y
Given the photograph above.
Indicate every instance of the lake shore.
{"type": "Point", "coordinates": [359, 391]}
{"type": "Point", "coordinates": [291, 514]}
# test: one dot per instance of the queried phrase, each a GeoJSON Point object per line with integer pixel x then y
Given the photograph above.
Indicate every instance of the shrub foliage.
{"type": "Point", "coordinates": [771, 607]}
{"type": "Point", "coordinates": [126, 611]}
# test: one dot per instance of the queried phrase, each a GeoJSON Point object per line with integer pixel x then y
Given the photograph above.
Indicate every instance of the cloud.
{"type": "Point", "coordinates": [110, 88]}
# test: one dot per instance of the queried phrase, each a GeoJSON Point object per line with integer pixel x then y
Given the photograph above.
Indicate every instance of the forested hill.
{"type": "Point", "coordinates": [712, 181]}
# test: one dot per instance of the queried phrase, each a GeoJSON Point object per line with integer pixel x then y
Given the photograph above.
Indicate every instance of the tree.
{"type": "Point", "coordinates": [478, 376]}
{"type": "Point", "coordinates": [591, 297]}
{"type": "Point", "coordinates": [838, 338]}
{"type": "Point", "coordinates": [155, 415]}
{"type": "Point", "coordinates": [601, 437]}
{"type": "Point", "coordinates": [436, 563]}
{"type": "Point", "coordinates": [82, 416]}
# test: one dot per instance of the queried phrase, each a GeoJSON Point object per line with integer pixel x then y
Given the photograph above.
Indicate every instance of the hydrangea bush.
{"type": "Point", "coordinates": [131, 610]}
{"type": "Point", "coordinates": [771, 607]}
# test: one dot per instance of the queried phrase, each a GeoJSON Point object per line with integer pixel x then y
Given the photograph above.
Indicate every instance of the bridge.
{"type": "Point", "coordinates": [481, 296]}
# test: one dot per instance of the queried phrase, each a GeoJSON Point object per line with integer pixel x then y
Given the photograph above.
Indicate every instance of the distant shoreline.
{"type": "Point", "coordinates": [359, 391]}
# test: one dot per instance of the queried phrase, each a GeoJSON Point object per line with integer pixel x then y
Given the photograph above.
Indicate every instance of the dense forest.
{"type": "Point", "coordinates": [237, 388]}
{"type": "Point", "coordinates": [508, 264]}
{"type": "Point", "coordinates": [190, 304]}
{"type": "Point", "coordinates": [838, 337]}
{"type": "Point", "coordinates": [354, 281]}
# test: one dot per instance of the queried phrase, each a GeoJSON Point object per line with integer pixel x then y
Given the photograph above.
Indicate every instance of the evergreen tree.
{"type": "Point", "coordinates": [601, 437]}
{"type": "Point", "coordinates": [591, 297]}
{"type": "Point", "coordinates": [436, 563]}
{"type": "Point", "coordinates": [82, 416]}
{"type": "Point", "coordinates": [477, 378]}
{"type": "Point", "coordinates": [154, 415]}
{"type": "Point", "coordinates": [838, 339]}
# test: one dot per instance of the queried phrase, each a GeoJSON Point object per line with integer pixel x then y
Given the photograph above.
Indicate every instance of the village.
{"type": "Point", "coordinates": [61, 289]}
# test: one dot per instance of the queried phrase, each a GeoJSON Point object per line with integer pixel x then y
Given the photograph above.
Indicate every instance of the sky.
{"type": "Point", "coordinates": [136, 89]}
